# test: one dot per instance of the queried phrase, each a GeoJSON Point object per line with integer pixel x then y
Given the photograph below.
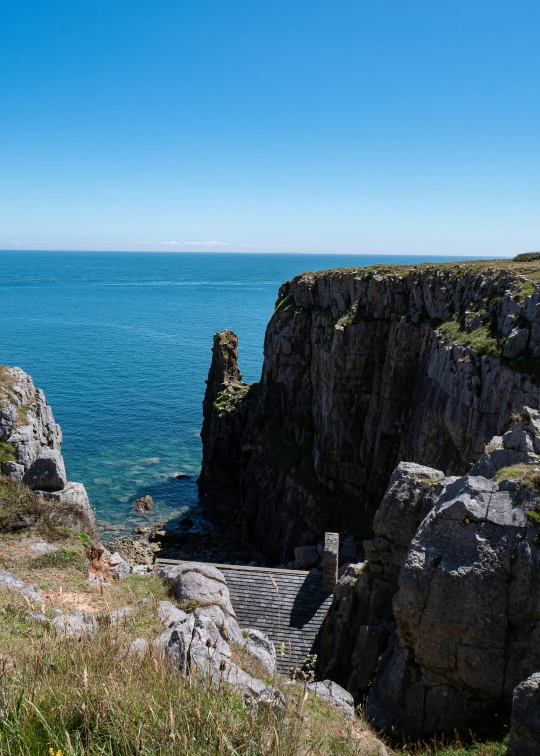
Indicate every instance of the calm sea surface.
{"type": "Point", "coordinates": [120, 343]}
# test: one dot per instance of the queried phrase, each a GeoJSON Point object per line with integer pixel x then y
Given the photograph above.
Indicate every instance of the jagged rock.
{"type": "Point", "coordinates": [516, 342]}
{"type": "Point", "coordinates": [305, 557]}
{"type": "Point", "coordinates": [134, 552]}
{"type": "Point", "coordinates": [47, 472]}
{"type": "Point", "coordinates": [525, 730]}
{"type": "Point", "coordinates": [121, 570]}
{"type": "Point", "coordinates": [9, 580]}
{"type": "Point", "coordinates": [40, 547]}
{"type": "Point", "coordinates": [337, 696]}
{"type": "Point", "coordinates": [228, 626]}
{"type": "Point", "coordinates": [225, 410]}
{"type": "Point", "coordinates": [12, 470]}
{"type": "Point", "coordinates": [115, 559]}
{"type": "Point", "coordinates": [196, 644]}
{"type": "Point", "coordinates": [258, 645]}
{"type": "Point", "coordinates": [175, 640]}
{"type": "Point", "coordinates": [8, 415]}
{"type": "Point", "coordinates": [75, 625]}
{"type": "Point", "coordinates": [168, 613]}
{"type": "Point", "coordinates": [466, 614]}
{"type": "Point", "coordinates": [358, 625]}
{"type": "Point", "coordinates": [207, 649]}
{"type": "Point", "coordinates": [144, 504]}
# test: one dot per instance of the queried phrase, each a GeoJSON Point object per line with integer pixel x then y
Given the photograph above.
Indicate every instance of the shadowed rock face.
{"type": "Point", "coordinates": [356, 377]}
{"type": "Point", "coordinates": [442, 621]}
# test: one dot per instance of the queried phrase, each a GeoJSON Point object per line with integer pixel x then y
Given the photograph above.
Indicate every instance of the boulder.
{"type": "Point", "coordinates": [228, 626]}
{"type": "Point", "coordinates": [75, 625]}
{"type": "Point", "coordinates": [202, 583]}
{"type": "Point", "coordinates": [9, 580]}
{"type": "Point", "coordinates": [121, 570]}
{"type": "Point", "coordinates": [305, 557]}
{"type": "Point", "coordinates": [12, 470]}
{"type": "Point", "coordinates": [175, 641]}
{"type": "Point", "coordinates": [169, 613]}
{"type": "Point", "coordinates": [144, 504]}
{"type": "Point", "coordinates": [258, 645]}
{"type": "Point", "coordinates": [337, 696]}
{"type": "Point", "coordinates": [525, 723]}
{"type": "Point", "coordinates": [47, 472]}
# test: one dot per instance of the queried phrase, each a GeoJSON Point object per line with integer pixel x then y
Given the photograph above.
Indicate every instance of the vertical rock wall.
{"type": "Point", "coordinates": [358, 374]}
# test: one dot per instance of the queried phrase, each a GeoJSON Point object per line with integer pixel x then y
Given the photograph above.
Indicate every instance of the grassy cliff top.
{"type": "Point", "coordinates": [527, 265]}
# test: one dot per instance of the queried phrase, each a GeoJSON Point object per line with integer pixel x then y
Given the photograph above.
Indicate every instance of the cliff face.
{"type": "Point", "coordinates": [440, 623]}
{"type": "Point", "coordinates": [362, 369]}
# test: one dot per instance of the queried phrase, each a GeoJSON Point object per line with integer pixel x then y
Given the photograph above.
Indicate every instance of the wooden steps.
{"type": "Point", "coordinates": [291, 616]}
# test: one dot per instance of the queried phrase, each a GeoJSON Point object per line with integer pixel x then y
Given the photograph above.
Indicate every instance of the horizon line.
{"type": "Point", "coordinates": [487, 256]}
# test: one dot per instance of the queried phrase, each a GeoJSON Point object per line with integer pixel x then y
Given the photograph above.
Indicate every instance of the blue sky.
{"type": "Point", "coordinates": [346, 126]}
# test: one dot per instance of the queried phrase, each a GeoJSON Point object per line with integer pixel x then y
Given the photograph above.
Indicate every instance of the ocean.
{"type": "Point", "coordinates": [120, 343]}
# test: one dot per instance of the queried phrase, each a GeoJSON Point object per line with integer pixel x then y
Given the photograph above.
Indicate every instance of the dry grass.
{"type": "Point", "coordinates": [87, 697]}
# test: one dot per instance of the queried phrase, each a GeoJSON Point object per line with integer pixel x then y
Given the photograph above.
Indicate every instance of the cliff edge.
{"type": "Point", "coordinates": [364, 368]}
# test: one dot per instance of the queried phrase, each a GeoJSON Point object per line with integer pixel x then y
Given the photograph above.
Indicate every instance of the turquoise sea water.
{"type": "Point", "coordinates": [120, 343]}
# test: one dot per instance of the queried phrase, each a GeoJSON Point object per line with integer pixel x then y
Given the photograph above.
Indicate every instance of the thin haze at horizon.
{"type": "Point", "coordinates": [291, 126]}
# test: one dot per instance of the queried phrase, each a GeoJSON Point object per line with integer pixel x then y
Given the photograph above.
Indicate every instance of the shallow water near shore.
{"type": "Point", "coordinates": [120, 343]}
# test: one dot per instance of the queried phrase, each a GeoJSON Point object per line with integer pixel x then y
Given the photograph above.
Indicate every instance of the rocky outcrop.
{"type": "Point", "coordinates": [364, 368]}
{"type": "Point", "coordinates": [198, 640]}
{"type": "Point", "coordinates": [525, 732]}
{"type": "Point", "coordinates": [440, 624]}
{"type": "Point", "coordinates": [225, 412]}
{"type": "Point", "coordinates": [34, 440]}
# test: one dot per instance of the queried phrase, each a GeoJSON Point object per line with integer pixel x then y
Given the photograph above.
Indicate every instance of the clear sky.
{"type": "Point", "coordinates": [380, 126]}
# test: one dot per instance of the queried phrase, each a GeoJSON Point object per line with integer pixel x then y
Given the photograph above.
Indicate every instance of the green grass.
{"type": "Point", "coordinates": [482, 339]}
{"type": "Point", "coordinates": [21, 508]}
{"type": "Point", "coordinates": [62, 558]}
{"type": "Point", "coordinates": [514, 472]}
{"type": "Point", "coordinates": [7, 452]}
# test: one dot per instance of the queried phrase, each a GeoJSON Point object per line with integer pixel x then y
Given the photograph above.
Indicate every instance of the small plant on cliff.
{"type": "Point", "coordinates": [483, 339]}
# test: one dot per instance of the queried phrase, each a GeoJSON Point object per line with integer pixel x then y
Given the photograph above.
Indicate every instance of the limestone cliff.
{"type": "Point", "coordinates": [441, 622]}
{"type": "Point", "coordinates": [31, 441]}
{"type": "Point", "coordinates": [364, 368]}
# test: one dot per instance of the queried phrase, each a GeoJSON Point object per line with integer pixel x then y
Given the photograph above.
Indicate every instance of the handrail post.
{"type": "Point", "coordinates": [330, 561]}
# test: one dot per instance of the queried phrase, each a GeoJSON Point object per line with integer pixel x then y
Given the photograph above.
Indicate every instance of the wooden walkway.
{"type": "Point", "coordinates": [291, 616]}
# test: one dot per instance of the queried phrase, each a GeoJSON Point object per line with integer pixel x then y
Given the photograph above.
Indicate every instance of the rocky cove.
{"type": "Point", "coordinates": [397, 406]}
